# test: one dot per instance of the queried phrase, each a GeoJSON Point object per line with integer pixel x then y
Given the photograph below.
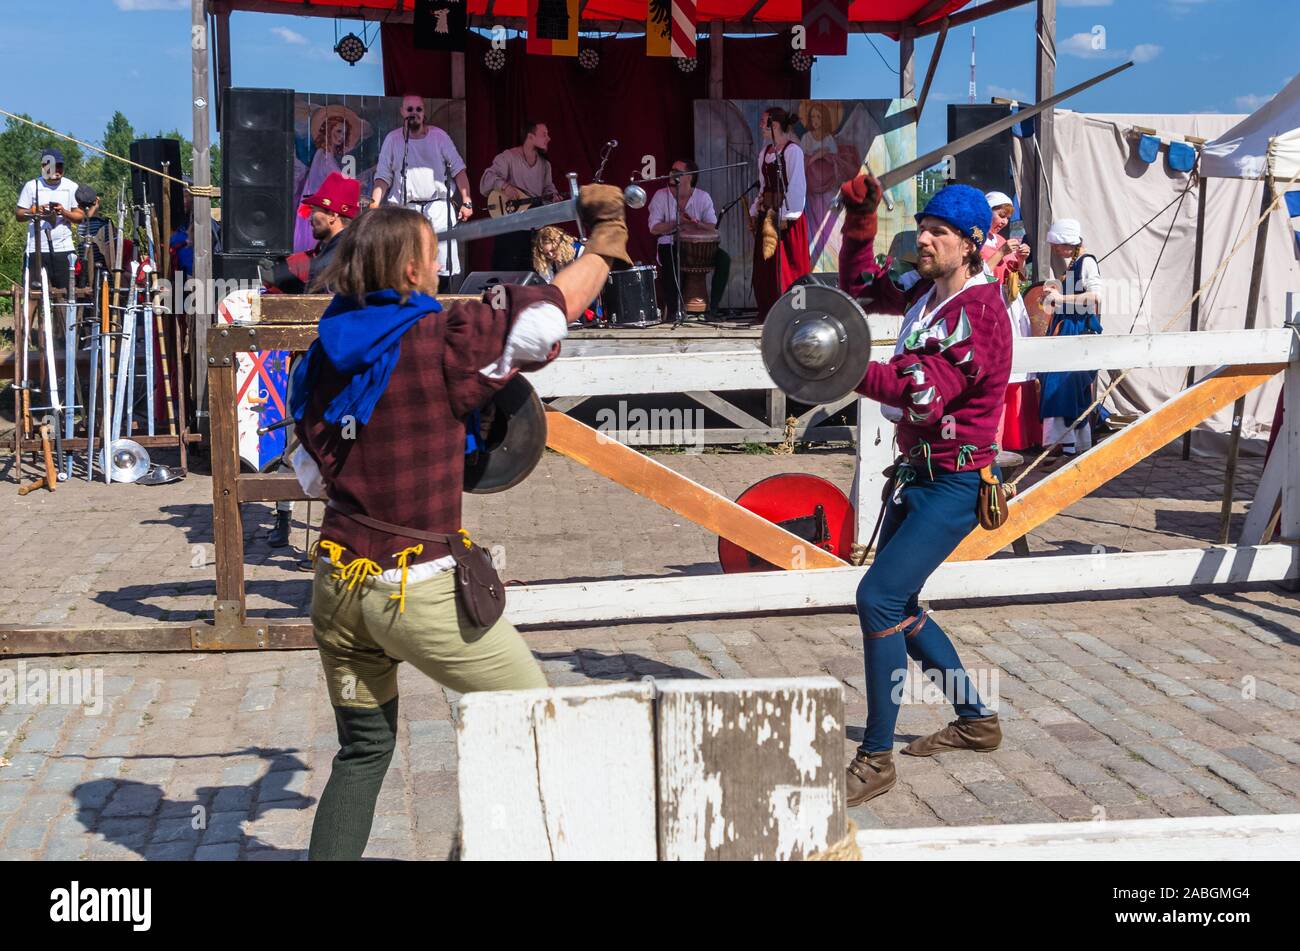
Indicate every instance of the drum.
{"type": "Point", "coordinates": [629, 298]}
{"type": "Point", "coordinates": [697, 253]}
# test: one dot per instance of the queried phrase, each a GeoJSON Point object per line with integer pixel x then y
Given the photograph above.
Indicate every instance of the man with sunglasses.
{"type": "Point", "coordinates": [416, 163]}
{"type": "Point", "coordinates": [49, 204]}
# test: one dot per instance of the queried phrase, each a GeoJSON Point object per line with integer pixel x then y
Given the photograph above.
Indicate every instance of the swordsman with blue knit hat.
{"type": "Point", "coordinates": [949, 380]}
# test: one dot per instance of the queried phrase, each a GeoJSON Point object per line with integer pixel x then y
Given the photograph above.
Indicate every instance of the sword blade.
{"type": "Point", "coordinates": [552, 214]}
{"type": "Point", "coordinates": [906, 171]}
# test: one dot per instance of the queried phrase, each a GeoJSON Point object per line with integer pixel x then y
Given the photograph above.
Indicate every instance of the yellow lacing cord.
{"type": "Point", "coordinates": [402, 556]}
{"type": "Point", "coordinates": [464, 537]}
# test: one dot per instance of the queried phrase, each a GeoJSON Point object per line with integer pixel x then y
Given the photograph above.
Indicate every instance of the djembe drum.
{"type": "Point", "coordinates": [697, 250]}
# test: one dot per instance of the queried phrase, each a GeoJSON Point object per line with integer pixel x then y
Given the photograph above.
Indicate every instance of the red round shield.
{"type": "Point", "coordinates": [806, 505]}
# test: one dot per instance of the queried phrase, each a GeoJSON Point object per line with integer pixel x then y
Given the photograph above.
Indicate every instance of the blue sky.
{"type": "Point", "coordinates": [1196, 56]}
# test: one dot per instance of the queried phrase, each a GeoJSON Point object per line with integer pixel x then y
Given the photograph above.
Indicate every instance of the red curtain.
{"type": "Point", "coordinates": [644, 102]}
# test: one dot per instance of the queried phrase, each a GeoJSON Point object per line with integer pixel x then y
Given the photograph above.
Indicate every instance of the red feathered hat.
{"type": "Point", "coordinates": [337, 194]}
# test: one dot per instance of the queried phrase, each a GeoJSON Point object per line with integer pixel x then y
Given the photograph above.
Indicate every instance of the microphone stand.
{"type": "Point", "coordinates": [605, 153]}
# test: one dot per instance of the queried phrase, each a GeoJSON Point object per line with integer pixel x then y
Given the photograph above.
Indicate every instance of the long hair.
{"type": "Point", "coordinates": [563, 255]}
{"type": "Point", "coordinates": [374, 251]}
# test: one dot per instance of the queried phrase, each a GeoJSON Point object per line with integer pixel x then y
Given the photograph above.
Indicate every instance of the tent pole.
{"type": "Point", "coordinates": [1045, 86]}
{"type": "Point", "coordinates": [202, 211]}
{"type": "Point", "coordinates": [907, 63]}
{"type": "Point", "coordinates": [1252, 307]}
{"type": "Point", "coordinates": [1202, 186]}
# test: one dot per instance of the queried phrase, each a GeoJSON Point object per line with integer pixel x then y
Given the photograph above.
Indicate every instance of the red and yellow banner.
{"type": "Point", "coordinates": [552, 27]}
{"type": "Point", "coordinates": [670, 28]}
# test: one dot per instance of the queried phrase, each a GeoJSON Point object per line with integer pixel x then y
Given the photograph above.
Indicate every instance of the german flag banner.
{"type": "Point", "coordinates": [670, 28]}
{"type": "Point", "coordinates": [552, 27]}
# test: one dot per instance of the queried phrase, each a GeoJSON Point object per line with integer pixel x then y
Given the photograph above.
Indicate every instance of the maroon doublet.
{"type": "Point", "coordinates": [406, 466]}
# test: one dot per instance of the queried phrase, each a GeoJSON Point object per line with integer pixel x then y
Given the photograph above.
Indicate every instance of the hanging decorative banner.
{"type": "Point", "coordinates": [441, 25]}
{"type": "Point", "coordinates": [827, 26]}
{"type": "Point", "coordinates": [552, 27]}
{"type": "Point", "coordinates": [670, 28]}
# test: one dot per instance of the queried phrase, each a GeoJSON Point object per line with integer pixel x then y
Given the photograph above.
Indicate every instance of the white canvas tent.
{"type": "Point", "coordinates": [1098, 178]}
{"type": "Point", "coordinates": [1266, 142]}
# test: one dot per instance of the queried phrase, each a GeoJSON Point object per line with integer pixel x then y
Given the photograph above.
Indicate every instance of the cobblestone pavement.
{"type": "Point", "coordinates": [1114, 707]}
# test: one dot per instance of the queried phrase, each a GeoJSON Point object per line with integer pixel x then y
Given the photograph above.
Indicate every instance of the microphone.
{"type": "Point", "coordinates": [612, 144]}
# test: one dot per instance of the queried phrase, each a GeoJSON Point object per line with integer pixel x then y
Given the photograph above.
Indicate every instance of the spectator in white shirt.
{"type": "Point", "coordinates": [48, 203]}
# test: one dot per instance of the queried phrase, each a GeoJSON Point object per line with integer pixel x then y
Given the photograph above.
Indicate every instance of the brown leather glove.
{"type": "Point", "coordinates": [601, 209]}
{"type": "Point", "coordinates": [860, 197]}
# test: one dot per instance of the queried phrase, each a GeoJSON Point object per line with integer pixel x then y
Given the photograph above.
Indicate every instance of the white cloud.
{"type": "Point", "coordinates": [1144, 52]}
{"type": "Point", "coordinates": [131, 6]}
{"type": "Point", "coordinates": [1083, 46]}
{"type": "Point", "coordinates": [289, 36]}
{"type": "Point", "coordinates": [1004, 92]}
{"type": "Point", "coordinates": [1250, 102]}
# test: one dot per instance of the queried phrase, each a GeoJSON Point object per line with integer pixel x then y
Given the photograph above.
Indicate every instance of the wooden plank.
{"type": "Point", "coordinates": [227, 520]}
{"type": "Point", "coordinates": [307, 308]}
{"type": "Point", "coordinates": [929, 70]}
{"type": "Point", "coordinates": [750, 769]}
{"type": "Point", "coordinates": [264, 487]}
{"type": "Point", "coordinates": [557, 774]}
{"type": "Point", "coordinates": [681, 495]}
{"type": "Point", "coordinates": [1267, 494]}
{"type": "Point", "coordinates": [1196, 839]}
{"type": "Point", "coordinates": [728, 411]}
{"type": "Point", "coordinates": [907, 63]}
{"type": "Point", "coordinates": [1117, 454]}
{"type": "Point", "coordinates": [1194, 320]}
{"type": "Point", "coordinates": [42, 639]}
{"type": "Point", "coordinates": [201, 232]}
{"type": "Point", "coordinates": [719, 595]}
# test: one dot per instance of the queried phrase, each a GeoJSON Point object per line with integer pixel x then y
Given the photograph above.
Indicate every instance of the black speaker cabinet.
{"type": "Point", "coordinates": [229, 266]}
{"type": "Point", "coordinates": [148, 189]}
{"type": "Point", "coordinates": [257, 206]}
{"type": "Point", "coordinates": [987, 166]}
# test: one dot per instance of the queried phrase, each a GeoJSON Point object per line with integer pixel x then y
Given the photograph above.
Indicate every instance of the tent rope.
{"type": "Point", "coordinates": [1278, 196]}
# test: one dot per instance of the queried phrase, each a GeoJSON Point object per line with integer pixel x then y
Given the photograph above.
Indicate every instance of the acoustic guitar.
{"type": "Point", "coordinates": [498, 204]}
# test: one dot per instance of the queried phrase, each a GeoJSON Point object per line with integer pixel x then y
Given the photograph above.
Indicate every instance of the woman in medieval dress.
{"type": "Point", "coordinates": [335, 131]}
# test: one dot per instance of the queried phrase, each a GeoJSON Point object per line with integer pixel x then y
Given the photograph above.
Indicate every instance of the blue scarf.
{"type": "Point", "coordinates": [362, 343]}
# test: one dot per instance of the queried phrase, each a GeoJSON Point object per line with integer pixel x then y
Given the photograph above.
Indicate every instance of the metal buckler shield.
{"type": "Point", "coordinates": [513, 434]}
{"type": "Point", "coordinates": [816, 343]}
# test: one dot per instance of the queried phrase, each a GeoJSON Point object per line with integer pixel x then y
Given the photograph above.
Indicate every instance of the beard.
{"type": "Point", "coordinates": [928, 266]}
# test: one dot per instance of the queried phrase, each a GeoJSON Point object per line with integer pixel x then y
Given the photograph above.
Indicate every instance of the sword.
{"type": "Point", "coordinates": [553, 214]}
{"type": "Point", "coordinates": [901, 174]}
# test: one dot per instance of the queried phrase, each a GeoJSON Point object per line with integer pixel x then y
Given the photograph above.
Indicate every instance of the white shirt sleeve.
{"type": "Point", "coordinates": [1091, 276]}
{"type": "Point", "coordinates": [455, 164]}
{"type": "Point", "coordinates": [796, 184]}
{"type": "Point", "coordinates": [385, 168]}
{"type": "Point", "coordinates": [659, 209]}
{"type": "Point", "coordinates": [28, 195]}
{"type": "Point", "coordinates": [308, 473]}
{"type": "Point", "coordinates": [707, 214]}
{"type": "Point", "coordinates": [536, 330]}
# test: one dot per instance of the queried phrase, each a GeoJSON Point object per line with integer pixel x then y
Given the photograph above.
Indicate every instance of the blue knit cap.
{"type": "Point", "coordinates": [963, 207]}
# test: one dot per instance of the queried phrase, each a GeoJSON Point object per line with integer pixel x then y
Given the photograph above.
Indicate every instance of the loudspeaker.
{"type": "Point", "coordinates": [987, 166]}
{"type": "Point", "coordinates": [476, 282]}
{"type": "Point", "coordinates": [238, 267]}
{"type": "Point", "coordinates": [257, 204]}
{"type": "Point", "coordinates": [148, 189]}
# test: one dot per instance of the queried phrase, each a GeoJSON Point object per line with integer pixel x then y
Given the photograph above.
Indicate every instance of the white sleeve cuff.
{"type": "Point", "coordinates": [536, 330]}
{"type": "Point", "coordinates": [308, 473]}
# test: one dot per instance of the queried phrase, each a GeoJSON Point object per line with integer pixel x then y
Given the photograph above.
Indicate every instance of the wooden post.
{"type": "Point", "coordinates": [716, 40]}
{"type": "Point", "coordinates": [1202, 187]}
{"type": "Point", "coordinates": [1239, 408]}
{"type": "Point", "coordinates": [223, 60]}
{"type": "Point", "coordinates": [907, 63]}
{"type": "Point", "coordinates": [1289, 527]}
{"type": "Point", "coordinates": [201, 236]}
{"type": "Point", "coordinates": [227, 520]}
{"type": "Point", "coordinates": [750, 769]}
{"type": "Point", "coordinates": [1044, 87]}
{"type": "Point", "coordinates": [558, 774]}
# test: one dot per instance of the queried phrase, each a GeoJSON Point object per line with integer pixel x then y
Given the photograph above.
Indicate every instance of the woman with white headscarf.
{"type": "Point", "coordinates": [1076, 309]}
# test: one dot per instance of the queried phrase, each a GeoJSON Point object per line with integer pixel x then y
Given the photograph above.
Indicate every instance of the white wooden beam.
{"type": "Point", "coordinates": [557, 774]}
{"type": "Point", "coordinates": [1267, 493]}
{"type": "Point", "coordinates": [1199, 838]}
{"type": "Point", "coordinates": [824, 588]}
{"type": "Point", "coordinates": [742, 369]}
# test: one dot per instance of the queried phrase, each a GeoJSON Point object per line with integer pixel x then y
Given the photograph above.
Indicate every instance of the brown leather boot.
{"type": "Point", "coordinates": [869, 775]}
{"type": "Point", "coordinates": [981, 734]}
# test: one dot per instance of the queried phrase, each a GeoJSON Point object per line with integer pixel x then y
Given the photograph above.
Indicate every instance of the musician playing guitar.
{"type": "Point", "coordinates": [521, 178]}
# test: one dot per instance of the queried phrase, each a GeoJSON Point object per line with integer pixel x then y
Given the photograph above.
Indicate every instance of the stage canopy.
{"type": "Point", "coordinates": [1266, 142]}
{"type": "Point", "coordinates": [882, 15]}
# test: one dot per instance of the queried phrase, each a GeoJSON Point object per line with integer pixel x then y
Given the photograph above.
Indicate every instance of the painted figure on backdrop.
{"type": "Point", "coordinates": [827, 162]}
{"type": "Point", "coordinates": [334, 131]}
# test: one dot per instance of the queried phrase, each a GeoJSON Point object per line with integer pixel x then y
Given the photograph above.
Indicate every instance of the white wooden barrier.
{"type": "Point", "coordinates": [602, 375]}
{"type": "Point", "coordinates": [1198, 839]}
{"type": "Point", "coordinates": [678, 769]}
